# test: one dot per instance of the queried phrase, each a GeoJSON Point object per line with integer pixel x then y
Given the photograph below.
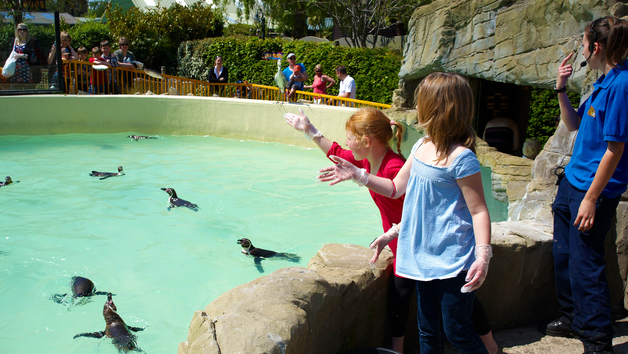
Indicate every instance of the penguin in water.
{"type": "Point", "coordinates": [105, 175]}
{"type": "Point", "coordinates": [174, 201]}
{"type": "Point", "coordinates": [81, 287]}
{"type": "Point", "coordinates": [259, 254]}
{"type": "Point", "coordinates": [6, 182]}
{"type": "Point", "coordinates": [115, 328]}
{"type": "Point", "coordinates": [138, 137]}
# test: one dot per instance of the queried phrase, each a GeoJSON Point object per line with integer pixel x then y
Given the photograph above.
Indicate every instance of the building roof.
{"type": "Point", "coordinates": [39, 18]}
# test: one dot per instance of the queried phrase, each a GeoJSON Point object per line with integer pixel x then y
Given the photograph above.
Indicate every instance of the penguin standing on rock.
{"type": "Point", "coordinates": [104, 175]}
{"type": "Point", "coordinates": [174, 201]}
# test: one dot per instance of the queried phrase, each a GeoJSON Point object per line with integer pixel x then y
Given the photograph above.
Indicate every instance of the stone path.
{"type": "Point", "coordinates": [527, 340]}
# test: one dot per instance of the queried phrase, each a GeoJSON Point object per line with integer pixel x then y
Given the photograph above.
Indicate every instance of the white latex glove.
{"type": "Point", "coordinates": [477, 273]}
{"type": "Point", "coordinates": [343, 170]}
{"type": "Point", "coordinates": [384, 239]}
{"type": "Point", "coordinates": [302, 124]}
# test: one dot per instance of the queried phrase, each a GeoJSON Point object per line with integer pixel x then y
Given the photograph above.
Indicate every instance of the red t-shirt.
{"type": "Point", "coordinates": [98, 76]}
{"type": "Point", "coordinates": [390, 209]}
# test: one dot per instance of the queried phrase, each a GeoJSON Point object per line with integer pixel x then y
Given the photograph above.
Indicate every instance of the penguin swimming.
{"type": "Point", "coordinates": [6, 182]}
{"type": "Point", "coordinates": [249, 249]}
{"type": "Point", "coordinates": [123, 339]}
{"type": "Point", "coordinates": [174, 201]}
{"type": "Point", "coordinates": [81, 287]}
{"type": "Point", "coordinates": [105, 175]}
{"type": "Point", "coordinates": [138, 137]}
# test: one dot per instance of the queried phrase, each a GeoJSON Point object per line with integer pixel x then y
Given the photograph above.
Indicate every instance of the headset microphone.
{"type": "Point", "coordinates": [583, 64]}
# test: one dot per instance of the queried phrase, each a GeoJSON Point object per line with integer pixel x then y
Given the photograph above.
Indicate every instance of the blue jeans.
{"type": "Point", "coordinates": [580, 269]}
{"type": "Point", "coordinates": [444, 309]}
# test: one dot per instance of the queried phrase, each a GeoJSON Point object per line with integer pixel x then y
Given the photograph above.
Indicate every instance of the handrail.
{"type": "Point", "coordinates": [81, 77]}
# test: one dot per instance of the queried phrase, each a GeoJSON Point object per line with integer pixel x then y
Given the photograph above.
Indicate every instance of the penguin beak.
{"type": "Point", "coordinates": [239, 241]}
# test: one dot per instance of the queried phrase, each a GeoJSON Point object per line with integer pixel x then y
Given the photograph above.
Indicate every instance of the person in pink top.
{"type": "Point", "coordinates": [321, 82]}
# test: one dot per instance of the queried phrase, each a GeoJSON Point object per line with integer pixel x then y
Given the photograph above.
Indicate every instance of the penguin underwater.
{"type": "Point", "coordinates": [105, 175]}
{"type": "Point", "coordinates": [6, 182]}
{"type": "Point", "coordinates": [123, 339]}
{"type": "Point", "coordinates": [139, 137]}
{"type": "Point", "coordinates": [174, 201]}
{"type": "Point", "coordinates": [249, 249]}
{"type": "Point", "coordinates": [81, 287]}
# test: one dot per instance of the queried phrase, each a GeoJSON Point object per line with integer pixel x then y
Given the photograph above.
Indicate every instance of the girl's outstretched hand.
{"type": "Point", "coordinates": [479, 268]}
{"type": "Point", "coordinates": [343, 170]}
{"type": "Point", "coordinates": [384, 239]}
{"type": "Point", "coordinates": [301, 123]}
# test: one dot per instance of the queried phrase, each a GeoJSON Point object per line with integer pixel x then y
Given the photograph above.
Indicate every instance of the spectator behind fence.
{"type": "Point", "coordinates": [218, 73]}
{"type": "Point", "coordinates": [67, 52]}
{"type": "Point", "coordinates": [82, 76]}
{"type": "Point", "coordinates": [98, 76]}
{"type": "Point", "coordinates": [287, 72]}
{"type": "Point", "coordinates": [347, 84]}
{"type": "Point", "coordinates": [22, 73]}
{"type": "Point", "coordinates": [320, 81]}
{"type": "Point", "coordinates": [126, 60]}
{"type": "Point", "coordinates": [107, 58]}
{"type": "Point", "coordinates": [291, 87]}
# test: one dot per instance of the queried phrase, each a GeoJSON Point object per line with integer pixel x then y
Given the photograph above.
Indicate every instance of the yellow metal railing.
{"type": "Point", "coordinates": [80, 76]}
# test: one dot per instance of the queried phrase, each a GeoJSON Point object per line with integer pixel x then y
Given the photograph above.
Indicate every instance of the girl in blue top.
{"type": "Point", "coordinates": [595, 178]}
{"type": "Point", "coordinates": [445, 230]}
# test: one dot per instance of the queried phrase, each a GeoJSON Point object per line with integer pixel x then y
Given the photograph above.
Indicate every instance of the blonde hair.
{"type": "Point", "coordinates": [373, 123]}
{"type": "Point", "coordinates": [65, 35]}
{"type": "Point", "coordinates": [318, 67]}
{"type": "Point", "coordinates": [28, 33]}
{"type": "Point", "coordinates": [445, 110]}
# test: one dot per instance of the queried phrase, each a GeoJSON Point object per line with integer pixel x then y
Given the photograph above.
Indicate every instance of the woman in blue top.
{"type": "Point", "coordinates": [595, 178]}
{"type": "Point", "coordinates": [445, 229]}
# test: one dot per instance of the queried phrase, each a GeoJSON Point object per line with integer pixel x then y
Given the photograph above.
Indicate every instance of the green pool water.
{"type": "Point", "coordinates": [163, 265]}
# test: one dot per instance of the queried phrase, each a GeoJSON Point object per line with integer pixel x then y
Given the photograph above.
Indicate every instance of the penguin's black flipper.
{"type": "Point", "coordinates": [102, 293]}
{"type": "Point", "coordinates": [91, 335]}
{"type": "Point", "coordinates": [135, 329]}
{"type": "Point", "coordinates": [58, 298]}
{"type": "Point", "coordinates": [258, 264]}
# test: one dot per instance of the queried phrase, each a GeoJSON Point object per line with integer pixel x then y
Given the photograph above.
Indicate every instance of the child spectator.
{"type": "Point", "coordinates": [98, 76]}
{"type": "Point", "coordinates": [296, 74]}
{"type": "Point", "coordinates": [107, 58]}
{"type": "Point", "coordinates": [82, 77]}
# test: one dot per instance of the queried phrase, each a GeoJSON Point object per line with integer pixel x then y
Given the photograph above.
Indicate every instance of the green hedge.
{"type": "Point", "coordinates": [543, 109]}
{"type": "Point", "coordinates": [374, 70]}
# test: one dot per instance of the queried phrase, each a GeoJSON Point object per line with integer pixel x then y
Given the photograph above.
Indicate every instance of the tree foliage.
{"type": "Point", "coordinates": [156, 34]}
{"type": "Point", "coordinates": [359, 19]}
{"type": "Point", "coordinates": [543, 111]}
{"type": "Point", "coordinates": [374, 70]}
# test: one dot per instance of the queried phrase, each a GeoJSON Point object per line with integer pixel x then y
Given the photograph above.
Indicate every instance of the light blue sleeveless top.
{"type": "Point", "coordinates": [436, 240]}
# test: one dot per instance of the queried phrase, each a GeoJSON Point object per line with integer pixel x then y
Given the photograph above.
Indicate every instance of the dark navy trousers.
{"type": "Point", "coordinates": [580, 269]}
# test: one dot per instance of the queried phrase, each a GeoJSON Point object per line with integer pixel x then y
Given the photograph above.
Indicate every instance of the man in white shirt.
{"type": "Point", "coordinates": [347, 84]}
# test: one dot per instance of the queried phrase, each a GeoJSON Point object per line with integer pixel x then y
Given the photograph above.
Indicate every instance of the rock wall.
{"type": "Point", "coordinates": [339, 302]}
{"type": "Point", "coordinates": [518, 42]}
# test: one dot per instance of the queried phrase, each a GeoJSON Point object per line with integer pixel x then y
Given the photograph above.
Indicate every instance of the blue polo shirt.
{"type": "Point", "coordinates": [604, 118]}
{"type": "Point", "coordinates": [287, 73]}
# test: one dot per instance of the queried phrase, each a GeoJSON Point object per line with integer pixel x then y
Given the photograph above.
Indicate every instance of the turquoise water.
{"type": "Point", "coordinates": [162, 264]}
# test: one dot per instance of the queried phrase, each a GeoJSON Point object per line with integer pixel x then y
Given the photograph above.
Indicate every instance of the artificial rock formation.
{"type": "Point", "coordinates": [518, 42]}
{"type": "Point", "coordinates": [339, 302]}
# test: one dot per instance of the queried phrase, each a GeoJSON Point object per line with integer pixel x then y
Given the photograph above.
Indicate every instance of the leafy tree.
{"type": "Point", "coordinates": [156, 34]}
{"type": "Point", "coordinates": [357, 19]}
{"type": "Point", "coordinates": [543, 109]}
{"type": "Point", "coordinates": [89, 34]}
{"type": "Point", "coordinates": [97, 8]}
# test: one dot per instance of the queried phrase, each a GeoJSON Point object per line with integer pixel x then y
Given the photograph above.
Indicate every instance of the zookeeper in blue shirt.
{"type": "Point", "coordinates": [594, 180]}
